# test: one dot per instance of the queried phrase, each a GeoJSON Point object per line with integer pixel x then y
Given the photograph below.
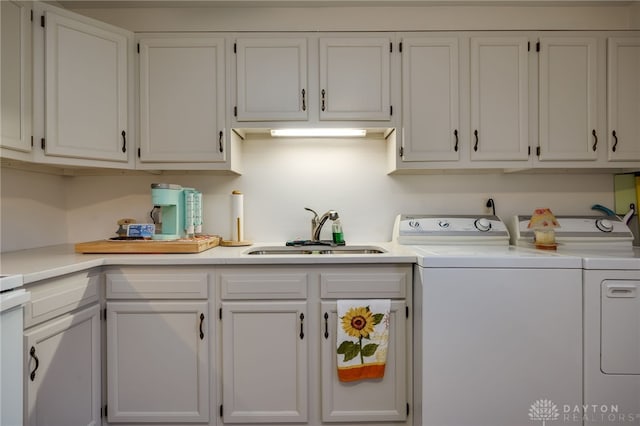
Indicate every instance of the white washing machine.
{"type": "Point", "coordinates": [611, 286]}
{"type": "Point", "coordinates": [498, 329]}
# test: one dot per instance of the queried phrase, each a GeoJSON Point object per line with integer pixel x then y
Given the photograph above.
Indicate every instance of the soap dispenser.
{"type": "Point", "coordinates": [336, 230]}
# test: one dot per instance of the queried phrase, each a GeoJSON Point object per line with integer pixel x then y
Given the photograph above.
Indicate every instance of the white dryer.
{"type": "Point", "coordinates": [611, 288]}
{"type": "Point", "coordinates": [497, 328]}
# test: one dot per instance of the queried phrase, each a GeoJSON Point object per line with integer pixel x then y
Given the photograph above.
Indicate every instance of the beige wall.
{"type": "Point", "coordinates": [397, 18]}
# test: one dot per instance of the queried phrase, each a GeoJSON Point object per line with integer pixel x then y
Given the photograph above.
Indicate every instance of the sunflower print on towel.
{"type": "Point", "coordinates": [364, 357]}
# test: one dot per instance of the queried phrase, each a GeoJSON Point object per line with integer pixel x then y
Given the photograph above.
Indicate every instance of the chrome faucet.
{"type": "Point", "coordinates": [318, 222]}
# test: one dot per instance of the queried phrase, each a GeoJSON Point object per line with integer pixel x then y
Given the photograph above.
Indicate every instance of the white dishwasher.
{"type": "Point", "coordinates": [498, 329]}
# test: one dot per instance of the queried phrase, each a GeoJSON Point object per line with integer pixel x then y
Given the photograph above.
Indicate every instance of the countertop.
{"type": "Point", "coordinates": [54, 261]}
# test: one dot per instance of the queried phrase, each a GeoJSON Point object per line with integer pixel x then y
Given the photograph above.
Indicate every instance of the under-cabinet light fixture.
{"type": "Point", "coordinates": [318, 133]}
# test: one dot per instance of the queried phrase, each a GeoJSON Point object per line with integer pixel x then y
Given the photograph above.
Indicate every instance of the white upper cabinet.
{"type": "Point", "coordinates": [16, 77]}
{"type": "Point", "coordinates": [499, 98]}
{"type": "Point", "coordinates": [623, 88]}
{"type": "Point", "coordinates": [182, 98]}
{"type": "Point", "coordinates": [430, 99]}
{"type": "Point", "coordinates": [86, 89]}
{"type": "Point", "coordinates": [355, 78]}
{"type": "Point", "coordinates": [271, 79]}
{"type": "Point", "coordinates": [568, 96]}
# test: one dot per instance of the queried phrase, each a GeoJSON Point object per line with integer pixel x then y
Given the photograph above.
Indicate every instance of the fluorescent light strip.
{"type": "Point", "coordinates": [318, 133]}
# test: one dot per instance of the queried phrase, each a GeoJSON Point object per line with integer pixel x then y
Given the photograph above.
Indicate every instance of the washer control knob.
{"type": "Point", "coordinates": [443, 223]}
{"type": "Point", "coordinates": [482, 224]}
{"type": "Point", "coordinates": [414, 224]}
{"type": "Point", "coordinates": [604, 225]}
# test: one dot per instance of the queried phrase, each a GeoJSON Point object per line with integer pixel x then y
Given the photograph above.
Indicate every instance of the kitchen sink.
{"type": "Point", "coordinates": [318, 250]}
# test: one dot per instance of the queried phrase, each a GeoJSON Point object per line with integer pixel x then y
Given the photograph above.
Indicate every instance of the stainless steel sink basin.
{"type": "Point", "coordinates": [285, 250]}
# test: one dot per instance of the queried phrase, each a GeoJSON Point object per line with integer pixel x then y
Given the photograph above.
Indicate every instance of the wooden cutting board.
{"type": "Point", "coordinates": [190, 245]}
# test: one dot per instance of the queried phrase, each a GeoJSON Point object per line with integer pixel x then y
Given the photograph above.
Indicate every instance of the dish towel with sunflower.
{"type": "Point", "coordinates": [363, 337]}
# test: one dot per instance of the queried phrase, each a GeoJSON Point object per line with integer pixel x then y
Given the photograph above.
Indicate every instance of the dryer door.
{"type": "Point", "coordinates": [620, 340]}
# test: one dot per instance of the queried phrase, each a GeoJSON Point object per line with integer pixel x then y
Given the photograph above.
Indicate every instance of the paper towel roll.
{"type": "Point", "coordinates": [237, 216]}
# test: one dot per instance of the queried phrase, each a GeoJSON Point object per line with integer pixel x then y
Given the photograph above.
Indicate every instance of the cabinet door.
{"type": "Point", "coordinates": [182, 96]}
{"type": "Point", "coordinates": [355, 78]}
{"type": "Point", "coordinates": [568, 98]}
{"type": "Point", "coordinates": [63, 370]}
{"type": "Point", "coordinates": [367, 400]}
{"type": "Point", "coordinates": [16, 77]}
{"type": "Point", "coordinates": [271, 78]}
{"type": "Point", "coordinates": [430, 99]}
{"type": "Point", "coordinates": [499, 98]}
{"type": "Point", "coordinates": [85, 90]}
{"type": "Point", "coordinates": [623, 70]}
{"type": "Point", "coordinates": [157, 362]}
{"type": "Point", "coordinates": [264, 362]}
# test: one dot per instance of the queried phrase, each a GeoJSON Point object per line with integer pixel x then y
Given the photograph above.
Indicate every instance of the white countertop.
{"type": "Point", "coordinates": [53, 261]}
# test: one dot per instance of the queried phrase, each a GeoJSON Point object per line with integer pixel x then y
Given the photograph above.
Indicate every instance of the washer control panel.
{"type": "Point", "coordinates": [453, 229]}
{"type": "Point", "coordinates": [581, 231]}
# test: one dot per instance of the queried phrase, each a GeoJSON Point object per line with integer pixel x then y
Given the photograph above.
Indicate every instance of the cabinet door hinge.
{"type": "Point", "coordinates": [235, 111]}
{"type": "Point", "coordinates": [138, 47]}
{"type": "Point", "coordinates": [42, 21]}
{"type": "Point", "coordinates": [401, 151]}
{"type": "Point", "coordinates": [221, 410]}
{"type": "Point", "coordinates": [538, 151]}
{"type": "Point", "coordinates": [407, 408]}
{"type": "Point", "coordinates": [220, 313]}
{"type": "Point", "coordinates": [406, 311]}
{"type": "Point", "coordinates": [400, 47]}
{"type": "Point", "coordinates": [42, 143]}
{"type": "Point", "coordinates": [537, 46]}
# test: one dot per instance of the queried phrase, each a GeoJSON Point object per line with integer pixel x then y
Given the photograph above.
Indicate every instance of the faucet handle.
{"type": "Point", "coordinates": [315, 215]}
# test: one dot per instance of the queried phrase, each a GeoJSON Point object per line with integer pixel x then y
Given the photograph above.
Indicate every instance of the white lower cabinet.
{"type": "Point", "coordinates": [264, 362]}
{"type": "Point", "coordinates": [62, 383]}
{"type": "Point", "coordinates": [157, 362]}
{"type": "Point", "coordinates": [157, 346]}
{"type": "Point", "coordinates": [368, 400]}
{"type": "Point", "coordinates": [279, 348]}
{"type": "Point", "coordinates": [62, 351]}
